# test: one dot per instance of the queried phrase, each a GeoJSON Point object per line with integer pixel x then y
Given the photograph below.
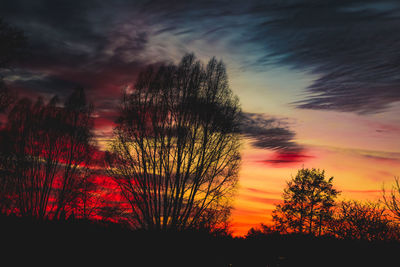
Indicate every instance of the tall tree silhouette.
{"type": "Point", "coordinates": [12, 46]}
{"type": "Point", "coordinates": [176, 148]}
{"type": "Point", "coordinates": [45, 151]}
{"type": "Point", "coordinates": [308, 201]}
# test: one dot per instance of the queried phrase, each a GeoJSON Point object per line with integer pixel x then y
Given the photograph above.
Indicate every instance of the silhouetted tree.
{"type": "Point", "coordinates": [176, 150]}
{"type": "Point", "coordinates": [6, 182]}
{"type": "Point", "coordinates": [392, 202]}
{"type": "Point", "coordinates": [34, 140]}
{"type": "Point", "coordinates": [366, 221]}
{"type": "Point", "coordinates": [12, 46]}
{"type": "Point", "coordinates": [308, 201]}
{"type": "Point", "coordinates": [46, 150]}
{"type": "Point", "coordinates": [77, 150]}
{"type": "Point", "coordinates": [87, 202]}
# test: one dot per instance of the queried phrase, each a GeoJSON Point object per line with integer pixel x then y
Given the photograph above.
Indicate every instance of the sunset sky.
{"type": "Point", "coordinates": [326, 74]}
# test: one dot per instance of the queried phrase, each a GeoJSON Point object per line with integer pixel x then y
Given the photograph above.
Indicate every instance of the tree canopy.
{"type": "Point", "coordinates": [307, 204]}
{"type": "Point", "coordinates": [176, 149]}
{"type": "Point", "coordinates": [45, 151]}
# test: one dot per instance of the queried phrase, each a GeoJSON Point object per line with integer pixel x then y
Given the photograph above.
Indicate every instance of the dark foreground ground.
{"type": "Point", "coordinates": [27, 242]}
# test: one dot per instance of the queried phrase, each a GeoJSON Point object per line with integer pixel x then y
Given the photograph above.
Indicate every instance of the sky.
{"type": "Point", "coordinates": [318, 81]}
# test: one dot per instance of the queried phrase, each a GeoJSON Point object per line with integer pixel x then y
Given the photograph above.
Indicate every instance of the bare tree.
{"type": "Point", "coordinates": [46, 150]}
{"type": "Point", "coordinates": [12, 46]}
{"type": "Point", "coordinates": [35, 135]}
{"type": "Point", "coordinates": [308, 202]}
{"type": "Point", "coordinates": [367, 221]}
{"type": "Point", "coordinates": [78, 148]}
{"type": "Point", "coordinates": [176, 150]}
{"type": "Point", "coordinates": [83, 198]}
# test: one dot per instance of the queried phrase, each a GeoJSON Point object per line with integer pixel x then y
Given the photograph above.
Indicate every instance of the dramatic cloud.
{"type": "Point", "coordinates": [349, 44]}
{"type": "Point", "coordinates": [76, 44]}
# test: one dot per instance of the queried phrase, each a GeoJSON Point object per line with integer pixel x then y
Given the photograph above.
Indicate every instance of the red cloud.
{"type": "Point", "coordinates": [286, 158]}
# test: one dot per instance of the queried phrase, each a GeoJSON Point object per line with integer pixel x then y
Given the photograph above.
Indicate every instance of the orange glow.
{"type": "Point", "coordinates": [359, 174]}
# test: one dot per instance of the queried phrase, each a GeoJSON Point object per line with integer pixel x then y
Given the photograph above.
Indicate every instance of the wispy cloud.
{"type": "Point", "coordinates": [262, 191]}
{"type": "Point", "coordinates": [266, 132]}
{"type": "Point", "coordinates": [370, 154]}
{"type": "Point", "coordinates": [348, 44]}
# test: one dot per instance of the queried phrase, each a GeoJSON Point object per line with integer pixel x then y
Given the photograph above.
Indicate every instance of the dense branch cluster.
{"type": "Point", "coordinates": [308, 202]}
{"type": "Point", "coordinates": [45, 154]}
{"type": "Point", "coordinates": [176, 148]}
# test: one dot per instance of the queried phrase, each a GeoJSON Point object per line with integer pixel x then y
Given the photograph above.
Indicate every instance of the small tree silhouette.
{"type": "Point", "coordinates": [308, 201]}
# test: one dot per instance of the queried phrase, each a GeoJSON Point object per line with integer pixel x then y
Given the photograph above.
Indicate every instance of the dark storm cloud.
{"type": "Point", "coordinates": [71, 33]}
{"type": "Point", "coordinates": [41, 83]}
{"type": "Point", "coordinates": [74, 43]}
